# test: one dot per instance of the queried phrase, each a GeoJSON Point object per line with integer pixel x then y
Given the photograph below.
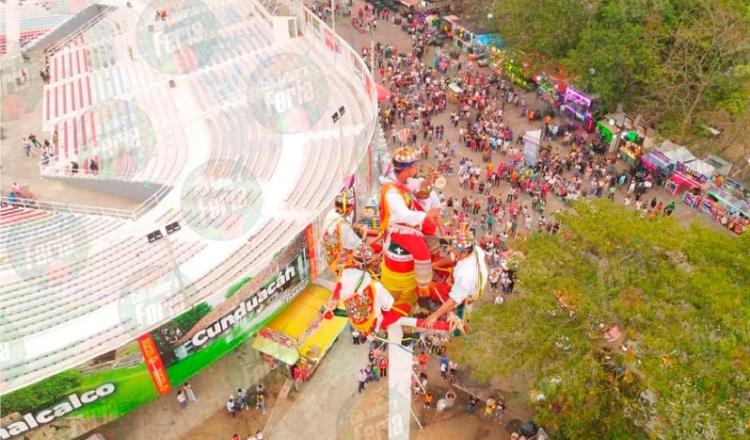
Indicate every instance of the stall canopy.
{"type": "Point", "coordinates": [680, 154]}
{"type": "Point", "coordinates": [721, 166]}
{"type": "Point", "coordinates": [656, 160]}
{"type": "Point", "coordinates": [300, 329]}
{"type": "Point", "coordinates": [702, 168]}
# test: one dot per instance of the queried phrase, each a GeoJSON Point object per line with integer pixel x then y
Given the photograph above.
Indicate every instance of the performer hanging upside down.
{"type": "Point", "coordinates": [340, 237]}
{"type": "Point", "coordinates": [469, 276]}
{"type": "Point", "coordinates": [407, 265]}
{"type": "Point", "coordinates": [369, 306]}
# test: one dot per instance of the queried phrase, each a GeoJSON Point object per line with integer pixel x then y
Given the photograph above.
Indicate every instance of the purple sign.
{"type": "Point", "coordinates": [577, 103]}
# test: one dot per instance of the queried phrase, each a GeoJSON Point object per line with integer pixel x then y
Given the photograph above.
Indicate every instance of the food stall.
{"type": "Point", "coordinates": [691, 177]}
{"type": "Point", "coordinates": [676, 153]}
{"type": "Point", "coordinates": [658, 163]}
{"type": "Point", "coordinates": [467, 34]}
{"type": "Point", "coordinates": [549, 89]}
{"type": "Point", "coordinates": [723, 167]}
{"type": "Point", "coordinates": [300, 336]}
{"type": "Point", "coordinates": [727, 206]}
{"type": "Point", "coordinates": [517, 71]}
{"type": "Point", "coordinates": [631, 148]}
{"type": "Point", "coordinates": [576, 104]}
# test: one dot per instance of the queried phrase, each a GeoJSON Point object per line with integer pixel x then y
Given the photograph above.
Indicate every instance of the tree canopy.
{"type": "Point", "coordinates": [678, 296]}
{"type": "Point", "coordinates": [684, 65]}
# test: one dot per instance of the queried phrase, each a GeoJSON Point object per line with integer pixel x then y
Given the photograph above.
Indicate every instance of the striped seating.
{"type": "Point", "coordinates": [95, 101]}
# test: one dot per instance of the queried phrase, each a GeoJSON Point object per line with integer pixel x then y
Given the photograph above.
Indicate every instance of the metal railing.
{"type": "Point", "coordinates": [22, 202]}
{"type": "Point", "coordinates": [106, 10]}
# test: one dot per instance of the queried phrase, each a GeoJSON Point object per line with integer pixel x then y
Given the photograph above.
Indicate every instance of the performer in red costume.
{"type": "Point", "coordinates": [407, 267]}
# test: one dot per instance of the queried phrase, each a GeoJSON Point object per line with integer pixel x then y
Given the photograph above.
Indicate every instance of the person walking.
{"type": "Point", "coordinates": [260, 403]}
{"type": "Point", "coordinates": [181, 399]}
{"type": "Point", "coordinates": [362, 378]}
{"type": "Point", "coordinates": [189, 392]}
{"type": "Point", "coordinates": [232, 406]}
{"type": "Point", "coordinates": [26, 147]}
{"type": "Point", "coordinates": [383, 366]}
{"type": "Point", "coordinates": [242, 399]}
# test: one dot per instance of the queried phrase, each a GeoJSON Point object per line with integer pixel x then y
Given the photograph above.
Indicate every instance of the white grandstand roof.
{"type": "Point", "coordinates": [242, 152]}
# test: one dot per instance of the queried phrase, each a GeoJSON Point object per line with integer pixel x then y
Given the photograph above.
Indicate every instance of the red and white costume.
{"type": "Point", "coordinates": [369, 305]}
{"type": "Point", "coordinates": [405, 249]}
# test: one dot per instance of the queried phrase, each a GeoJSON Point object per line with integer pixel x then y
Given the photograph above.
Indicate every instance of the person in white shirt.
{"type": "Point", "coordinates": [368, 304]}
{"type": "Point", "coordinates": [469, 275]}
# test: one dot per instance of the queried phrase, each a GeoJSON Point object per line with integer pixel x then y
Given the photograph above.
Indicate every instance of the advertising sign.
{"type": "Point", "coordinates": [76, 401]}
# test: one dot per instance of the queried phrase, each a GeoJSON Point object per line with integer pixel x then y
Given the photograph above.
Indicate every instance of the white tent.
{"type": "Point", "coordinates": [680, 154]}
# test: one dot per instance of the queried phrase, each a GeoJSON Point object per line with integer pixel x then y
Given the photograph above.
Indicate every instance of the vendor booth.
{"type": "Point", "coordinates": [725, 207]}
{"type": "Point", "coordinates": [658, 163]}
{"type": "Point", "coordinates": [691, 178]}
{"type": "Point", "coordinates": [723, 167]}
{"type": "Point", "coordinates": [511, 66]}
{"type": "Point", "coordinates": [677, 153]}
{"type": "Point", "coordinates": [300, 336]}
{"type": "Point", "coordinates": [468, 35]}
{"type": "Point", "coordinates": [550, 89]}
{"type": "Point", "coordinates": [577, 104]}
{"type": "Point", "coordinates": [631, 148]}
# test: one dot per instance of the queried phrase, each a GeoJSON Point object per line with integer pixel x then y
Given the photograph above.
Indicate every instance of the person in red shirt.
{"type": "Point", "coordinates": [383, 364]}
{"type": "Point", "coordinates": [422, 359]}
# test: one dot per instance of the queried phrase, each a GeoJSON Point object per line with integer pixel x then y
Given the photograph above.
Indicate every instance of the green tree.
{"type": "Point", "coordinates": [678, 295]}
{"type": "Point", "coordinates": [617, 57]}
{"type": "Point", "coordinates": [41, 395]}
{"type": "Point", "coordinates": [548, 27]}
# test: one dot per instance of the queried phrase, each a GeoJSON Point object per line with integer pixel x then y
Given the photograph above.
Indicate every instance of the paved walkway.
{"type": "Point", "coordinates": [315, 412]}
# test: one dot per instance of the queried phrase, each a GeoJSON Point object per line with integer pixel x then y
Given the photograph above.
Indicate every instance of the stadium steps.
{"type": "Point", "coordinates": [33, 308]}
{"type": "Point", "coordinates": [83, 349]}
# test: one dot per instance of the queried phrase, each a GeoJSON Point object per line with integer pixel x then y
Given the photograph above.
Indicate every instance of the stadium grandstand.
{"type": "Point", "coordinates": [230, 129]}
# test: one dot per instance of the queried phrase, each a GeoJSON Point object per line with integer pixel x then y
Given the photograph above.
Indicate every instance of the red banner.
{"type": "Point", "coordinates": [311, 255]}
{"type": "Point", "coordinates": [155, 364]}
